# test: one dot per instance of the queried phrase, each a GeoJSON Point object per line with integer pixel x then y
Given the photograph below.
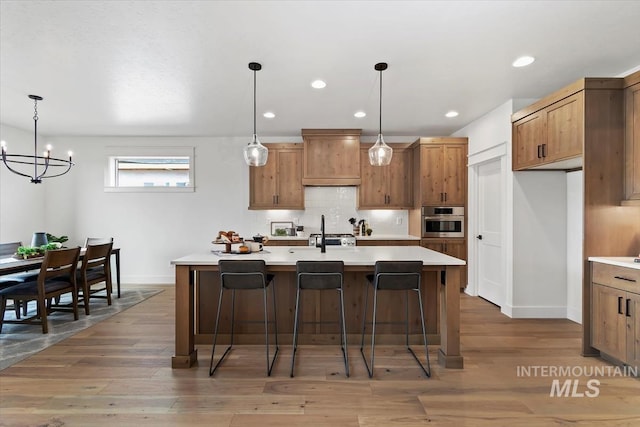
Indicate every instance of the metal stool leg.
{"type": "Point", "coordinates": [373, 330]}
{"type": "Point", "coordinates": [364, 325]}
{"type": "Point", "coordinates": [343, 329]}
{"type": "Point", "coordinates": [295, 329]}
{"type": "Point", "coordinates": [266, 328]}
{"type": "Point", "coordinates": [212, 368]}
{"type": "Point", "coordinates": [427, 371]}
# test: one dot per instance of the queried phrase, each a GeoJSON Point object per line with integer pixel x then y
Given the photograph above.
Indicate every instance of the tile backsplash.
{"type": "Point", "coordinates": [338, 204]}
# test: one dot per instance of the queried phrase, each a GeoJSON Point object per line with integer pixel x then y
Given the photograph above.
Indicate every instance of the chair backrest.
{"type": "Point", "coordinates": [242, 274]}
{"type": "Point", "coordinates": [97, 255]}
{"type": "Point", "coordinates": [8, 249]}
{"type": "Point", "coordinates": [398, 274]}
{"type": "Point", "coordinates": [97, 241]}
{"type": "Point", "coordinates": [59, 263]}
{"type": "Point", "coordinates": [320, 274]}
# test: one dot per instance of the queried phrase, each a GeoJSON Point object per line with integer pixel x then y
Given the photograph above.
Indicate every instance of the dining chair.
{"type": "Point", "coordinates": [97, 241]}
{"type": "Point", "coordinates": [320, 275]}
{"type": "Point", "coordinates": [395, 276]}
{"type": "Point", "coordinates": [239, 275]}
{"type": "Point", "coordinates": [57, 277]}
{"type": "Point", "coordinates": [95, 268]}
{"type": "Point", "coordinates": [7, 250]}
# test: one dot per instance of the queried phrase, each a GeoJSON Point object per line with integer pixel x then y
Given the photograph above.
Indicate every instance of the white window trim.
{"type": "Point", "coordinates": [127, 151]}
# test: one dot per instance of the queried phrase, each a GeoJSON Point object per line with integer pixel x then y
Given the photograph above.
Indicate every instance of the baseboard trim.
{"type": "Point", "coordinates": [535, 312]}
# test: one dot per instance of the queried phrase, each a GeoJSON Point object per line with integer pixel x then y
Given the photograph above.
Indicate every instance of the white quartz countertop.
{"type": "Point", "coordinates": [619, 261]}
{"type": "Point", "coordinates": [351, 255]}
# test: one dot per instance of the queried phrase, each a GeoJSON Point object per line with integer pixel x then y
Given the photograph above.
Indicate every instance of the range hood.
{"type": "Point", "coordinates": [331, 157]}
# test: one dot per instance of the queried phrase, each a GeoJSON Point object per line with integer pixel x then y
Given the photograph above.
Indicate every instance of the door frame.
{"type": "Point", "coordinates": [496, 152]}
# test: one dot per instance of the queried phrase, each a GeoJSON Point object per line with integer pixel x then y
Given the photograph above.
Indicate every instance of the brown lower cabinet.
{"type": "Point", "coordinates": [615, 312]}
{"type": "Point", "coordinates": [455, 247]}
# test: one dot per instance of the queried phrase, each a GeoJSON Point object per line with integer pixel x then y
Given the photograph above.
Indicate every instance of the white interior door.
{"type": "Point", "coordinates": [491, 283]}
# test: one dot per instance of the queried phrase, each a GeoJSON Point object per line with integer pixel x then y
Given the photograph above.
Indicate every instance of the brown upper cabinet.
{"type": "Point", "coordinates": [386, 187]}
{"type": "Point", "coordinates": [331, 156]}
{"type": "Point", "coordinates": [632, 139]}
{"type": "Point", "coordinates": [550, 133]}
{"type": "Point", "coordinates": [278, 184]}
{"type": "Point", "coordinates": [440, 172]}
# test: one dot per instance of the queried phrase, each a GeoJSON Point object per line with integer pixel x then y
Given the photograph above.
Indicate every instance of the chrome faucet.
{"type": "Point", "coordinates": [323, 242]}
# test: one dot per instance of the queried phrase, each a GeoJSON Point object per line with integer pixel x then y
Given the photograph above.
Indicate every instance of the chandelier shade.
{"type": "Point", "coordinates": [255, 154]}
{"type": "Point", "coordinates": [43, 166]}
{"type": "Point", "coordinates": [380, 153]}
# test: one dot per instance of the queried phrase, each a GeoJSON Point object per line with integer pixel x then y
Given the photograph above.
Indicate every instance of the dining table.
{"type": "Point", "coordinates": [12, 265]}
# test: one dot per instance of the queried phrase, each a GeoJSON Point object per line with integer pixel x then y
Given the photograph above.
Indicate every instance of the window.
{"type": "Point", "coordinates": [150, 169]}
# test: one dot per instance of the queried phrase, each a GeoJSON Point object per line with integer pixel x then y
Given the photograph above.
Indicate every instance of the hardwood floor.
{"type": "Point", "coordinates": [118, 373]}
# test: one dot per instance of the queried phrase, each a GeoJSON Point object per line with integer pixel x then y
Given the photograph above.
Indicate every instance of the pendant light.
{"type": "Point", "coordinates": [36, 161]}
{"type": "Point", "coordinates": [255, 154]}
{"type": "Point", "coordinates": [380, 154]}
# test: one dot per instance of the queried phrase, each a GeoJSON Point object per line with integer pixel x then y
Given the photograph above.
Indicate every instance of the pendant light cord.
{"type": "Point", "coordinates": [254, 102]}
{"type": "Point", "coordinates": [380, 132]}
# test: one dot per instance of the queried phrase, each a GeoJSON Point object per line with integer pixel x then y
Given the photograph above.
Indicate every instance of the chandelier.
{"type": "Point", "coordinates": [40, 164]}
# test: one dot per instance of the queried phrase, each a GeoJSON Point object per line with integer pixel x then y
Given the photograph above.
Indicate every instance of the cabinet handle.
{"type": "Point", "coordinates": [625, 278]}
{"type": "Point", "coordinates": [277, 199]}
{"type": "Point", "coordinates": [273, 199]}
{"type": "Point", "coordinates": [620, 305]}
{"type": "Point", "coordinates": [444, 247]}
{"type": "Point", "coordinates": [544, 150]}
{"type": "Point", "coordinates": [539, 156]}
{"type": "Point", "coordinates": [445, 197]}
{"type": "Point", "coordinates": [442, 197]}
{"type": "Point", "coordinates": [628, 307]}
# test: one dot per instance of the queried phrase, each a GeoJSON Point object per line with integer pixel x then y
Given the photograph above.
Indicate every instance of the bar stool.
{"type": "Point", "coordinates": [241, 275]}
{"type": "Point", "coordinates": [395, 276]}
{"type": "Point", "coordinates": [320, 275]}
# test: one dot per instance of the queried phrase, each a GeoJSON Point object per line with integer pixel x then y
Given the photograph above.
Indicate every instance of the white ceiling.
{"type": "Point", "coordinates": [180, 67]}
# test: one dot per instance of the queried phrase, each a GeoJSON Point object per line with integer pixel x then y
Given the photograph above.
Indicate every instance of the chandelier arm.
{"type": "Point", "coordinates": [6, 163]}
{"type": "Point", "coordinates": [59, 174]}
{"type": "Point", "coordinates": [46, 168]}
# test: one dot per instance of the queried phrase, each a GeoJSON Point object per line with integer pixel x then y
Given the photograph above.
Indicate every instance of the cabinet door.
{"type": "Point", "coordinates": [632, 144]}
{"type": "Point", "coordinates": [458, 249]}
{"type": "Point", "coordinates": [289, 189]}
{"type": "Point", "coordinates": [400, 178]}
{"type": "Point", "coordinates": [373, 190]}
{"type": "Point", "coordinates": [633, 330]}
{"type": "Point", "coordinates": [608, 323]}
{"type": "Point", "coordinates": [564, 128]}
{"type": "Point", "coordinates": [528, 137]}
{"type": "Point", "coordinates": [431, 174]}
{"type": "Point", "coordinates": [262, 184]}
{"type": "Point", "coordinates": [455, 175]}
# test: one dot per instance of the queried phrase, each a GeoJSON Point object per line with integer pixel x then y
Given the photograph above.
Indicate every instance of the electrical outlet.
{"type": "Point", "coordinates": [398, 220]}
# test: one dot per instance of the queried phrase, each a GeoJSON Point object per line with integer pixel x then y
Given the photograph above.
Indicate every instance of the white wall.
{"type": "Point", "coordinates": [22, 204]}
{"type": "Point", "coordinates": [575, 220]}
{"type": "Point", "coordinates": [539, 245]}
{"type": "Point", "coordinates": [153, 228]}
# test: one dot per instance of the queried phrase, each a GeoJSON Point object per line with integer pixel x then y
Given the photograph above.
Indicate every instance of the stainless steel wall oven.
{"type": "Point", "coordinates": [443, 221]}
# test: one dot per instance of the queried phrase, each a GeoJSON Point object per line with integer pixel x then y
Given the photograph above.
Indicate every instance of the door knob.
{"type": "Point", "coordinates": [479, 237]}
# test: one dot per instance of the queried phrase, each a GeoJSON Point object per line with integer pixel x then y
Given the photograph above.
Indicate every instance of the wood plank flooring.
{"type": "Point", "coordinates": [118, 373]}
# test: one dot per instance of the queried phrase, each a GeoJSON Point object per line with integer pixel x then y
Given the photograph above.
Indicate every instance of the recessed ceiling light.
{"type": "Point", "coordinates": [523, 61]}
{"type": "Point", "coordinates": [360, 114]}
{"type": "Point", "coordinates": [451, 114]}
{"type": "Point", "coordinates": [269, 115]}
{"type": "Point", "coordinates": [318, 84]}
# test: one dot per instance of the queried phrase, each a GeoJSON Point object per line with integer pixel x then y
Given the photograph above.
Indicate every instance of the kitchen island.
{"type": "Point", "coordinates": [197, 287]}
